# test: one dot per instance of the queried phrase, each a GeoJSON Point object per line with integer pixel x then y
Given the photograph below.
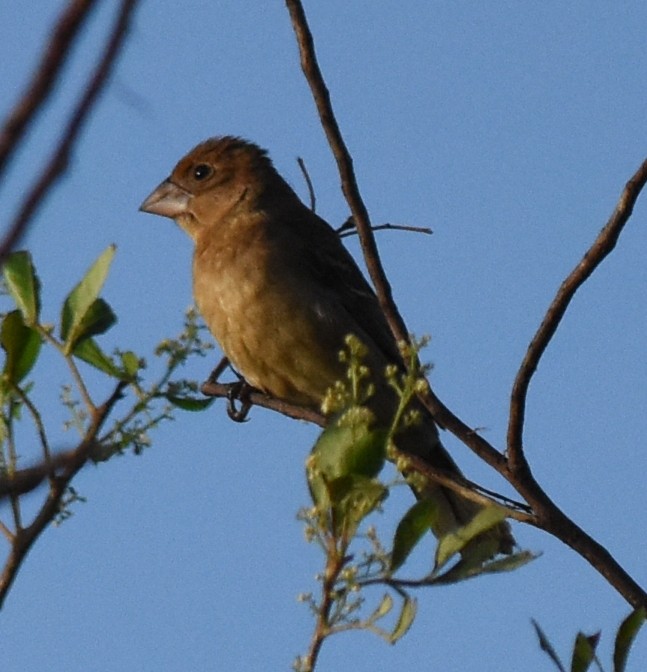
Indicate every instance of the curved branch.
{"type": "Point", "coordinates": [603, 245]}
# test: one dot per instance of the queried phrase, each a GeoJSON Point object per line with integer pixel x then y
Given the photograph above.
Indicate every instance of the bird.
{"type": "Point", "coordinates": [280, 292]}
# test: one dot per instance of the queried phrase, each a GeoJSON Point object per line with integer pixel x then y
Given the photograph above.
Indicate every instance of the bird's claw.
{"type": "Point", "coordinates": [239, 392]}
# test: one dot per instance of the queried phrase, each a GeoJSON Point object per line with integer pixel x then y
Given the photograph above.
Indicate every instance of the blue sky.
{"type": "Point", "coordinates": [510, 130]}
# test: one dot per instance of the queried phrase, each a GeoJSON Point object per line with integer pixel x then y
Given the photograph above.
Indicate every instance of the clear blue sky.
{"type": "Point", "coordinates": [509, 129]}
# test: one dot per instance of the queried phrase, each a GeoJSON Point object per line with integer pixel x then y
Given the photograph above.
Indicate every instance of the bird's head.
{"type": "Point", "coordinates": [212, 182]}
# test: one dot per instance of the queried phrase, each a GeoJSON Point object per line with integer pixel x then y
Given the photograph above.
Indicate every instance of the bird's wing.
{"type": "Point", "coordinates": [333, 268]}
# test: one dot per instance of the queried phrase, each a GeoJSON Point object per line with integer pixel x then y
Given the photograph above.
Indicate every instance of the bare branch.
{"type": "Point", "coordinates": [345, 166]}
{"type": "Point", "coordinates": [47, 74]}
{"type": "Point", "coordinates": [59, 160]}
{"type": "Point", "coordinates": [224, 390]}
{"type": "Point", "coordinates": [470, 490]}
{"type": "Point", "coordinates": [603, 245]}
{"type": "Point", "coordinates": [348, 228]}
{"type": "Point", "coordinates": [306, 177]}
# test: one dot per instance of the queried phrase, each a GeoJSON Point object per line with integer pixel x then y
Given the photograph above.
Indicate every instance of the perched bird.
{"type": "Point", "coordinates": [280, 292]}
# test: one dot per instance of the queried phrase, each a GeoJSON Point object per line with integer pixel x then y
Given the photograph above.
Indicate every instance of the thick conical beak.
{"type": "Point", "coordinates": [168, 200]}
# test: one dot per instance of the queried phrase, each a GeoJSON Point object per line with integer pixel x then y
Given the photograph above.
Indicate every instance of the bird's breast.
{"type": "Point", "coordinates": [270, 328]}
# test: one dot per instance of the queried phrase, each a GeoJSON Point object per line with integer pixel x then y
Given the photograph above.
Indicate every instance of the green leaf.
{"type": "Point", "coordinates": [79, 304]}
{"type": "Point", "coordinates": [23, 285]}
{"type": "Point", "coordinates": [405, 620]}
{"type": "Point", "coordinates": [130, 362]}
{"type": "Point", "coordinates": [624, 639]}
{"type": "Point", "coordinates": [91, 353]}
{"type": "Point", "coordinates": [190, 403]}
{"type": "Point", "coordinates": [546, 646]}
{"type": "Point", "coordinates": [383, 608]}
{"type": "Point", "coordinates": [97, 320]}
{"type": "Point", "coordinates": [509, 563]}
{"type": "Point", "coordinates": [472, 565]}
{"type": "Point", "coordinates": [454, 542]}
{"type": "Point", "coordinates": [584, 651]}
{"type": "Point", "coordinates": [416, 521]}
{"type": "Point", "coordinates": [350, 449]}
{"type": "Point", "coordinates": [345, 449]}
{"type": "Point", "coordinates": [21, 344]}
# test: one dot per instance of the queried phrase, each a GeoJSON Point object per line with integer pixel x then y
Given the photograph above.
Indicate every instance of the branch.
{"type": "Point", "coordinates": [306, 177]}
{"type": "Point", "coordinates": [348, 228]}
{"type": "Point", "coordinates": [515, 469]}
{"type": "Point", "coordinates": [345, 166]}
{"type": "Point", "coordinates": [25, 480]}
{"type": "Point", "coordinates": [470, 490]}
{"type": "Point", "coordinates": [59, 160]}
{"type": "Point", "coordinates": [224, 390]}
{"type": "Point", "coordinates": [73, 462]}
{"type": "Point", "coordinates": [603, 245]}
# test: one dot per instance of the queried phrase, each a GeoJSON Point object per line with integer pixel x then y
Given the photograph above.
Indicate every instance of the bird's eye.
{"type": "Point", "coordinates": [202, 171]}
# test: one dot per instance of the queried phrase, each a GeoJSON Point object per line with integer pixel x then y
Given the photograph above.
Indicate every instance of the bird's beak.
{"type": "Point", "coordinates": [168, 200]}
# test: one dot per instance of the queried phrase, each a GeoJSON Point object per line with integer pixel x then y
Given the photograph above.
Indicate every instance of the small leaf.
{"type": "Point", "coordinates": [22, 345]}
{"type": "Point", "coordinates": [405, 620]}
{"type": "Point", "coordinates": [383, 608]}
{"type": "Point", "coordinates": [584, 651]}
{"type": "Point", "coordinates": [454, 542]}
{"type": "Point", "coordinates": [190, 403]}
{"type": "Point", "coordinates": [81, 299]}
{"type": "Point", "coordinates": [509, 563]}
{"type": "Point", "coordinates": [350, 450]}
{"type": "Point", "coordinates": [23, 285]}
{"type": "Point", "coordinates": [416, 521]}
{"type": "Point", "coordinates": [546, 646]}
{"type": "Point", "coordinates": [130, 362]}
{"type": "Point", "coordinates": [624, 639]}
{"type": "Point", "coordinates": [91, 353]}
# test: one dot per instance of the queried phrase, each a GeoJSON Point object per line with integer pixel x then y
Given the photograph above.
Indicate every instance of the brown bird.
{"type": "Point", "coordinates": [280, 293]}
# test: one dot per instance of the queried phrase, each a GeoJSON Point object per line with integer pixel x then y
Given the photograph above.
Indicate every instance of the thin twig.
{"type": "Point", "coordinates": [470, 490]}
{"type": "Point", "coordinates": [345, 231]}
{"type": "Point", "coordinates": [603, 245]}
{"type": "Point", "coordinates": [36, 417]}
{"type": "Point", "coordinates": [76, 459]}
{"type": "Point", "coordinates": [45, 77]}
{"type": "Point", "coordinates": [8, 534]}
{"type": "Point", "coordinates": [60, 158]}
{"type": "Point", "coordinates": [311, 191]}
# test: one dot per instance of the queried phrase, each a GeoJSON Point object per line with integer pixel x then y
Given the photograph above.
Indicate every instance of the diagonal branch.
{"type": "Point", "coordinates": [344, 161]}
{"type": "Point", "coordinates": [45, 78]}
{"type": "Point", "coordinates": [59, 160]}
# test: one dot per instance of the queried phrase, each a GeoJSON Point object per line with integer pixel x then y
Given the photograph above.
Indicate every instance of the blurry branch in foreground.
{"type": "Point", "coordinates": [47, 75]}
